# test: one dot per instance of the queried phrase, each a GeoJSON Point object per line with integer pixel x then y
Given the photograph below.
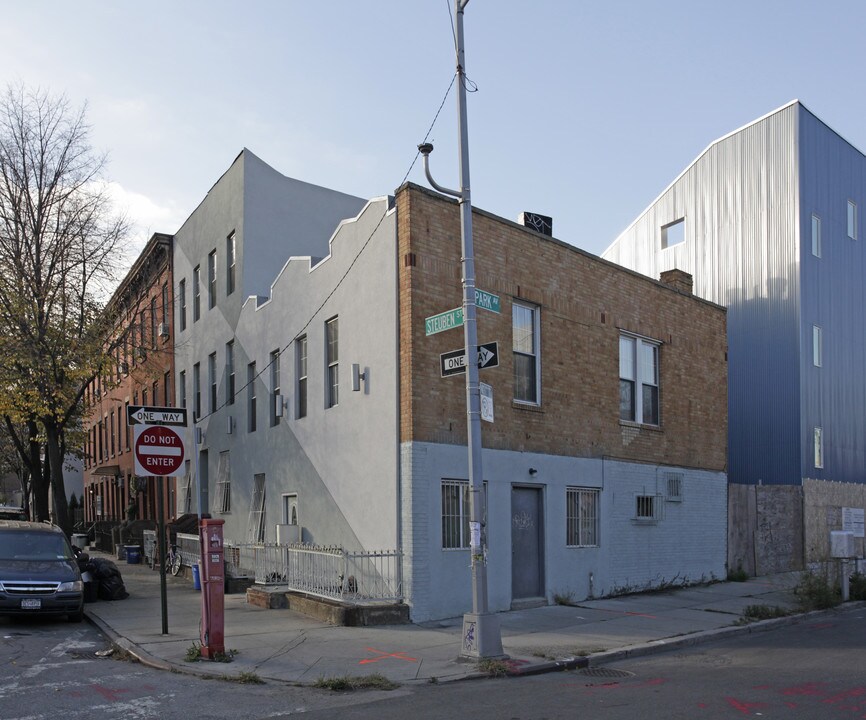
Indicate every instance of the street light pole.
{"type": "Point", "coordinates": [481, 633]}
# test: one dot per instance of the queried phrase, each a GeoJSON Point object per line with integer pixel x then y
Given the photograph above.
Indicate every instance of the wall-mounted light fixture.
{"type": "Point", "coordinates": [357, 376]}
{"type": "Point", "coordinates": [533, 472]}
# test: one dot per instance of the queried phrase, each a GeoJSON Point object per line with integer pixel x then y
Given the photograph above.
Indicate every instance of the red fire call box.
{"type": "Point", "coordinates": [212, 588]}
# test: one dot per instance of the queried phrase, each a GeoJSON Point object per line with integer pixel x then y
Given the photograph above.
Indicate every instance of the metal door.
{"type": "Point", "coordinates": [527, 543]}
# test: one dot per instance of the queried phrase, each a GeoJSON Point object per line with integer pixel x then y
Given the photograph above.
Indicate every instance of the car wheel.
{"type": "Point", "coordinates": [75, 617]}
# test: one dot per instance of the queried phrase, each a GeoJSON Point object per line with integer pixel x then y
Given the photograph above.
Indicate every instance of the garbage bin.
{"type": "Point", "coordinates": [133, 554]}
{"type": "Point", "coordinates": [79, 540]}
{"type": "Point", "coordinates": [196, 577]}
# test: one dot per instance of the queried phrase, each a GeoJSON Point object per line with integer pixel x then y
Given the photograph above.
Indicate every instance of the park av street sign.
{"type": "Point", "coordinates": [454, 362]}
{"type": "Point", "coordinates": [454, 318]}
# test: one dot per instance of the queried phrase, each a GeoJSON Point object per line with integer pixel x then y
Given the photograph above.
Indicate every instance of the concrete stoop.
{"type": "Point", "coordinates": [333, 612]}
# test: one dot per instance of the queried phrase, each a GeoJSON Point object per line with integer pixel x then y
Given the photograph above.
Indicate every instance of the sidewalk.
{"type": "Point", "coordinates": [283, 645]}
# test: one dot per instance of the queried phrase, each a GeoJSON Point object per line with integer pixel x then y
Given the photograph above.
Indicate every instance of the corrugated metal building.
{"type": "Point", "coordinates": [766, 220]}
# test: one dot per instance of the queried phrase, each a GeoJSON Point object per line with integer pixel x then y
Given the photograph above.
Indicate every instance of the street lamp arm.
{"type": "Point", "coordinates": [425, 149]}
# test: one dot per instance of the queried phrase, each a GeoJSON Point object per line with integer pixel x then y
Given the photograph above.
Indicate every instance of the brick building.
{"type": "Point", "coordinates": [323, 414]}
{"type": "Point", "coordinates": [140, 371]}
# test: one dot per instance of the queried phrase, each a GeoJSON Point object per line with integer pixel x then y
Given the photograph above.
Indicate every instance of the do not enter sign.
{"type": "Point", "coordinates": [159, 450]}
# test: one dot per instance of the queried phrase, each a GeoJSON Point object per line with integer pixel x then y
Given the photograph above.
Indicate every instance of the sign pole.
{"type": "Point", "coordinates": [161, 543]}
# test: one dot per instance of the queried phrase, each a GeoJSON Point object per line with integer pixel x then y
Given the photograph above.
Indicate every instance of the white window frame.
{"type": "Point", "coordinates": [332, 361]}
{"type": "Point", "coordinates": [818, 447]}
{"type": "Point", "coordinates": [223, 495]}
{"type": "Point", "coordinates": [632, 370]}
{"type": "Point", "coordinates": [230, 372]}
{"type": "Point", "coordinates": [852, 220]}
{"type": "Point", "coordinates": [196, 293]}
{"type": "Point", "coordinates": [212, 382]}
{"type": "Point", "coordinates": [231, 262]}
{"type": "Point", "coordinates": [256, 522]}
{"type": "Point", "coordinates": [582, 523]}
{"type": "Point", "coordinates": [251, 398]}
{"type": "Point", "coordinates": [648, 508]}
{"type": "Point", "coordinates": [181, 305]}
{"type": "Point", "coordinates": [817, 346]}
{"type": "Point", "coordinates": [674, 483]}
{"type": "Point", "coordinates": [673, 234]}
{"type": "Point", "coordinates": [276, 398]}
{"type": "Point", "coordinates": [181, 389]}
{"type": "Point", "coordinates": [816, 235]}
{"type": "Point", "coordinates": [301, 368]}
{"type": "Point", "coordinates": [211, 279]}
{"type": "Point", "coordinates": [196, 392]}
{"type": "Point", "coordinates": [519, 350]}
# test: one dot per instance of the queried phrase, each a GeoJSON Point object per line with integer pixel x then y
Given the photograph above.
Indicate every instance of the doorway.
{"type": "Point", "coordinates": [527, 543]}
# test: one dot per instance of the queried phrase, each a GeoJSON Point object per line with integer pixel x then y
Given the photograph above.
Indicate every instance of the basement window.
{"type": "Point", "coordinates": [674, 233]}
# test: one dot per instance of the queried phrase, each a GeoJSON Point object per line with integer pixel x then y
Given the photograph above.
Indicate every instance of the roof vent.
{"type": "Point", "coordinates": [539, 223]}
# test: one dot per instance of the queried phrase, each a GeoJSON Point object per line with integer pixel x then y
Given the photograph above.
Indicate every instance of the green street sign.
{"type": "Point", "coordinates": [443, 321]}
{"type": "Point", "coordinates": [487, 300]}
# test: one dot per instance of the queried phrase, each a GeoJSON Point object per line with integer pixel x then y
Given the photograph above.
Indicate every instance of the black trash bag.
{"type": "Point", "coordinates": [109, 580]}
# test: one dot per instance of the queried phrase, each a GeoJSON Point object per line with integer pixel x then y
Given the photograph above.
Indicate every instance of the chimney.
{"type": "Point", "coordinates": [679, 280]}
{"type": "Point", "coordinates": [534, 221]}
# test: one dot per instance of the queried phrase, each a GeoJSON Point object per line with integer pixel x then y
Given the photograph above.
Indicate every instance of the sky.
{"type": "Point", "coordinates": [584, 111]}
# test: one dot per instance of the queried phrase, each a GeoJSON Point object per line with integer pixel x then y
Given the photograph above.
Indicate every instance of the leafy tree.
{"type": "Point", "coordinates": [60, 249]}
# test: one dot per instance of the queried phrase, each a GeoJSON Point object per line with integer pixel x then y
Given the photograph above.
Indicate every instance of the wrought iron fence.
{"type": "Point", "coordinates": [187, 545]}
{"type": "Point", "coordinates": [324, 571]}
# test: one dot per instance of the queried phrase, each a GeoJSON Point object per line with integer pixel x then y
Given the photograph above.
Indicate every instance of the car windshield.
{"type": "Point", "coordinates": [33, 546]}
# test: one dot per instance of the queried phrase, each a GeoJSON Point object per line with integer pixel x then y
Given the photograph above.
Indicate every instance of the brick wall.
{"type": "Point", "coordinates": [584, 303]}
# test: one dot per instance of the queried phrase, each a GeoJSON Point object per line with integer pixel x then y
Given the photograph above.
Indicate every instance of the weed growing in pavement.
{"type": "Point", "coordinates": [565, 597]}
{"type": "Point", "coordinates": [857, 586]}
{"type": "Point", "coordinates": [193, 653]}
{"type": "Point", "coordinates": [248, 678]}
{"type": "Point", "coordinates": [816, 592]}
{"type": "Point", "coordinates": [494, 668]}
{"type": "Point", "coordinates": [738, 575]}
{"type": "Point", "coordinates": [763, 612]}
{"type": "Point", "coordinates": [354, 682]}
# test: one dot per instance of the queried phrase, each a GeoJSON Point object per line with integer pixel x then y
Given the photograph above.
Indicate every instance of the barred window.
{"type": "Point", "coordinates": [223, 500]}
{"type": "Point", "coordinates": [455, 513]}
{"type": "Point", "coordinates": [256, 524]}
{"type": "Point", "coordinates": [647, 508]}
{"type": "Point", "coordinates": [674, 483]}
{"type": "Point", "coordinates": [582, 517]}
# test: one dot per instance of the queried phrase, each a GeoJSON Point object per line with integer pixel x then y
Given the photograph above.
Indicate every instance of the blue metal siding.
{"type": "Point", "coordinates": [740, 203]}
{"type": "Point", "coordinates": [833, 297]}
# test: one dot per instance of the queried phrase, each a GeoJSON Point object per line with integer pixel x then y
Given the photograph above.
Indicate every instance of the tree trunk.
{"type": "Point", "coordinates": [54, 451]}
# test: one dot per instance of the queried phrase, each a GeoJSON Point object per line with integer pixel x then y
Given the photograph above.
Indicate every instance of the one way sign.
{"type": "Point", "coordinates": [454, 362]}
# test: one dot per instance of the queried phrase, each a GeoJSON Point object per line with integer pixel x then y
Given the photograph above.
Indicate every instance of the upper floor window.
{"type": "Point", "coordinates": [181, 388]}
{"type": "Point", "coordinates": [230, 372]}
{"type": "Point", "coordinates": [196, 293]}
{"type": "Point", "coordinates": [818, 442]}
{"type": "Point", "coordinates": [525, 346]}
{"type": "Point", "coordinates": [638, 380]}
{"type": "Point", "coordinates": [154, 317]}
{"type": "Point", "coordinates": [181, 304]}
{"type": "Point", "coordinates": [333, 360]}
{"type": "Point", "coordinates": [852, 220]}
{"type": "Point", "coordinates": [212, 381]}
{"type": "Point", "coordinates": [816, 236]}
{"type": "Point", "coordinates": [674, 233]}
{"type": "Point", "coordinates": [165, 303]}
{"type": "Point", "coordinates": [301, 361]}
{"type": "Point", "coordinates": [817, 346]}
{"type": "Point", "coordinates": [196, 391]}
{"type": "Point", "coordinates": [251, 397]}
{"type": "Point", "coordinates": [166, 388]}
{"type": "Point", "coordinates": [230, 263]}
{"type": "Point", "coordinates": [276, 397]}
{"type": "Point", "coordinates": [211, 279]}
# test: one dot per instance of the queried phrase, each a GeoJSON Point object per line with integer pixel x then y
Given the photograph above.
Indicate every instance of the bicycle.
{"type": "Point", "coordinates": [173, 560]}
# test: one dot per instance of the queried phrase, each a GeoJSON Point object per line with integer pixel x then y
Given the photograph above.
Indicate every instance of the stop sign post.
{"type": "Point", "coordinates": [159, 450]}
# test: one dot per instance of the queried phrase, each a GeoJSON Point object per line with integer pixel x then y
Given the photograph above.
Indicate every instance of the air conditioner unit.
{"type": "Point", "coordinates": [163, 330]}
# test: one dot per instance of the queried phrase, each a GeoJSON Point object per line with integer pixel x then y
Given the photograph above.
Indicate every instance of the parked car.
{"type": "Point", "coordinates": [39, 573]}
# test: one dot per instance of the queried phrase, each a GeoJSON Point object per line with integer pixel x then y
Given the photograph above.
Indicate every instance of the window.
{"type": "Point", "coordinates": [455, 514]}
{"type": "Point", "coordinates": [223, 500]}
{"type": "Point", "coordinates": [674, 233]}
{"type": "Point", "coordinates": [852, 220]}
{"type": "Point", "coordinates": [211, 279]}
{"type": "Point", "coordinates": [647, 508]}
{"type": "Point", "coordinates": [818, 442]}
{"type": "Point", "coordinates": [582, 517]}
{"type": "Point", "coordinates": [212, 381]}
{"type": "Point", "coordinates": [143, 331]}
{"type": "Point", "coordinates": [251, 397]}
{"type": "Point", "coordinates": [181, 388]}
{"type": "Point", "coordinates": [276, 398]}
{"type": "Point", "coordinates": [230, 263]}
{"type": "Point", "coordinates": [181, 304]}
{"type": "Point", "coordinates": [111, 431]}
{"type": "Point", "coordinates": [196, 293]}
{"type": "Point", "coordinates": [524, 328]}
{"type": "Point", "coordinates": [155, 395]}
{"type": "Point", "coordinates": [166, 388]}
{"type": "Point", "coordinates": [674, 482]}
{"type": "Point", "coordinates": [301, 355]}
{"type": "Point", "coordinates": [816, 236]}
{"type": "Point", "coordinates": [196, 392]}
{"type": "Point", "coordinates": [333, 358]}
{"type": "Point", "coordinates": [817, 346]}
{"type": "Point", "coordinates": [187, 495]}
{"type": "Point", "coordinates": [638, 380]}
{"type": "Point", "coordinates": [144, 396]}
{"type": "Point", "coordinates": [165, 303]}
{"type": "Point", "coordinates": [230, 372]}
{"type": "Point", "coordinates": [153, 320]}
{"type": "Point", "coordinates": [126, 424]}
{"type": "Point", "coordinates": [256, 524]}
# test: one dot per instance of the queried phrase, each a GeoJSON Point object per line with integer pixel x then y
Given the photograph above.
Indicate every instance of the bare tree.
{"type": "Point", "coordinates": [60, 248]}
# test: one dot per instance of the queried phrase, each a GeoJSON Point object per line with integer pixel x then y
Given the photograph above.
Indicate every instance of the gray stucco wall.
{"type": "Point", "coordinates": [686, 545]}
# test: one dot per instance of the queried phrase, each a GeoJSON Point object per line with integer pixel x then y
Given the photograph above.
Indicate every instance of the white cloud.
{"type": "Point", "coordinates": [145, 215]}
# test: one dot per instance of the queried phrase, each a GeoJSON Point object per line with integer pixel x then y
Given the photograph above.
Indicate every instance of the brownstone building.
{"type": "Point", "coordinates": [140, 371]}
